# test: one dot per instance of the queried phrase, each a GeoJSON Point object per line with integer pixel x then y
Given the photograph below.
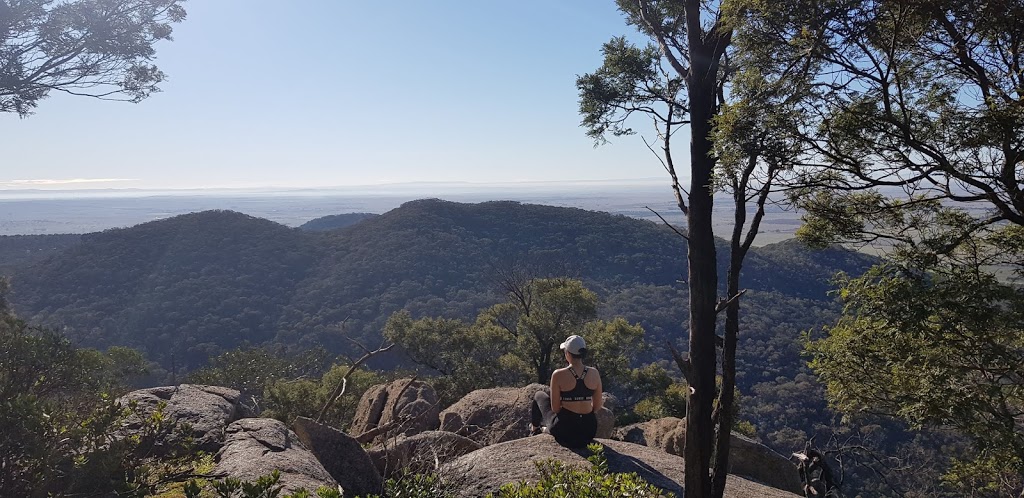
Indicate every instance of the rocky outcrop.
{"type": "Point", "coordinates": [756, 461]}
{"type": "Point", "coordinates": [343, 457]}
{"type": "Point", "coordinates": [410, 406]}
{"type": "Point", "coordinates": [206, 410]}
{"type": "Point", "coordinates": [605, 423]}
{"type": "Point", "coordinates": [667, 434]}
{"type": "Point", "coordinates": [255, 447]}
{"type": "Point", "coordinates": [485, 470]}
{"type": "Point", "coordinates": [490, 416]}
{"type": "Point", "coordinates": [746, 457]}
{"type": "Point", "coordinates": [421, 452]}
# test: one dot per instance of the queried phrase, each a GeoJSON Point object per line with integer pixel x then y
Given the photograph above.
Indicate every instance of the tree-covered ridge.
{"type": "Point", "coordinates": [198, 284]}
{"type": "Point", "coordinates": [335, 221]}
{"type": "Point", "coordinates": [16, 250]}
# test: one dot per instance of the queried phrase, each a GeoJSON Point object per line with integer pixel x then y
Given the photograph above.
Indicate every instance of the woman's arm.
{"type": "Point", "coordinates": [598, 393]}
{"type": "Point", "coordinates": [556, 393]}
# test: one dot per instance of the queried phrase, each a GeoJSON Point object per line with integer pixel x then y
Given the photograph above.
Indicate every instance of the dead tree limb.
{"type": "Point", "coordinates": [682, 363]}
{"type": "Point", "coordinates": [340, 389]}
{"type": "Point", "coordinates": [724, 303]}
{"type": "Point", "coordinates": [674, 229]}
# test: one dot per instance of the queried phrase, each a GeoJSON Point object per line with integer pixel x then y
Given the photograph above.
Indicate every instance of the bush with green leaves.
{"type": "Point", "coordinates": [267, 486]}
{"type": "Point", "coordinates": [252, 369]}
{"type": "Point", "coordinates": [516, 342]}
{"type": "Point", "coordinates": [407, 485]}
{"type": "Point", "coordinates": [286, 399]}
{"type": "Point", "coordinates": [561, 480]}
{"type": "Point", "coordinates": [286, 385]}
{"type": "Point", "coordinates": [417, 485]}
{"type": "Point", "coordinates": [62, 426]}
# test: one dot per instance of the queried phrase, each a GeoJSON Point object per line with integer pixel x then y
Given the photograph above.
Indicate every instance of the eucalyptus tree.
{"type": "Point", "coordinates": [911, 112]}
{"type": "Point", "coordinates": [96, 48]}
{"type": "Point", "coordinates": [912, 134]}
{"type": "Point", "coordinates": [538, 315]}
{"type": "Point", "coordinates": [516, 340]}
{"type": "Point", "coordinates": [681, 80]}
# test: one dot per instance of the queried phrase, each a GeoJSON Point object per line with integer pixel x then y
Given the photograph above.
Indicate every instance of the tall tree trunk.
{"type": "Point", "coordinates": [739, 245]}
{"type": "Point", "coordinates": [725, 415]}
{"type": "Point", "coordinates": [703, 278]}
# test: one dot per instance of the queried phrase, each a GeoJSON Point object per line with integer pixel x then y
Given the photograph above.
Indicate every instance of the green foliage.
{"type": "Point", "coordinates": [920, 150]}
{"type": "Point", "coordinates": [20, 250]}
{"type": "Point", "coordinates": [615, 343]}
{"type": "Point", "coordinates": [263, 487]}
{"type": "Point", "coordinates": [560, 480]}
{"type": "Point", "coordinates": [287, 399]}
{"type": "Point", "coordinates": [189, 287]}
{"type": "Point", "coordinates": [62, 428]}
{"type": "Point", "coordinates": [252, 369]}
{"type": "Point", "coordinates": [517, 341]}
{"type": "Point", "coordinates": [670, 403]}
{"type": "Point", "coordinates": [992, 475]}
{"type": "Point", "coordinates": [97, 48]}
{"type": "Point", "coordinates": [631, 80]}
{"type": "Point", "coordinates": [929, 112]}
{"type": "Point", "coordinates": [935, 346]}
{"type": "Point", "coordinates": [538, 315]}
{"type": "Point", "coordinates": [408, 485]}
{"type": "Point", "coordinates": [286, 385]}
{"type": "Point", "coordinates": [468, 356]}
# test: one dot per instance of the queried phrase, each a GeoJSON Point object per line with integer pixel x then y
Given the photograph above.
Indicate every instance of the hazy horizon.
{"type": "Point", "coordinates": [41, 191]}
{"type": "Point", "coordinates": [323, 93]}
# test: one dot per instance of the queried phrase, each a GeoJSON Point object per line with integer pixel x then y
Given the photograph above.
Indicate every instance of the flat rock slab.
{"type": "Point", "coordinates": [487, 469]}
{"type": "Point", "coordinates": [255, 447]}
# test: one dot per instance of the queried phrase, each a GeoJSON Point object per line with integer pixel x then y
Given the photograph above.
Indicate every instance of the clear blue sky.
{"type": "Point", "coordinates": [324, 93]}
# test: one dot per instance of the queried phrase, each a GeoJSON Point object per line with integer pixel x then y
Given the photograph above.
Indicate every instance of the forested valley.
{"type": "Point", "coordinates": [226, 298]}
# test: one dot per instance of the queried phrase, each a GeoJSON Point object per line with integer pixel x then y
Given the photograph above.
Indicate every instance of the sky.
{"type": "Point", "coordinates": [323, 93]}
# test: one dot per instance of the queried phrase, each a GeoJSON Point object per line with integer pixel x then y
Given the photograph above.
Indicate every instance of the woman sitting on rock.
{"type": "Point", "coordinates": [568, 413]}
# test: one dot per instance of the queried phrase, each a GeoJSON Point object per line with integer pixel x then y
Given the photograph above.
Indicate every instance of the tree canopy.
{"type": "Point", "coordinates": [96, 48]}
{"type": "Point", "coordinates": [516, 341]}
{"type": "Point", "coordinates": [911, 135]}
{"type": "Point", "coordinates": [904, 106]}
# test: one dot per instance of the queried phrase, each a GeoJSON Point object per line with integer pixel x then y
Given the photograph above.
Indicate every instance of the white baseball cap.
{"type": "Point", "coordinates": [574, 344]}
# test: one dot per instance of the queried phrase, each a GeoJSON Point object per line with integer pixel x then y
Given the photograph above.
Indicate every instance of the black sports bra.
{"type": "Point", "coordinates": [581, 392]}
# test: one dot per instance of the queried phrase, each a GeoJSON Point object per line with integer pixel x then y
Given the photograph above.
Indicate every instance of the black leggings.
{"type": "Point", "coordinates": [570, 429]}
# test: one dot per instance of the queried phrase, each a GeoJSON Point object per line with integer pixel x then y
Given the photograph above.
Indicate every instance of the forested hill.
{"type": "Point", "coordinates": [204, 282]}
{"type": "Point", "coordinates": [20, 250]}
{"type": "Point", "coordinates": [335, 221]}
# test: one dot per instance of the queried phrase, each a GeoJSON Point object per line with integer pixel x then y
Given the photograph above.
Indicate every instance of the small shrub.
{"type": "Point", "coordinates": [560, 480]}
{"type": "Point", "coordinates": [263, 487]}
